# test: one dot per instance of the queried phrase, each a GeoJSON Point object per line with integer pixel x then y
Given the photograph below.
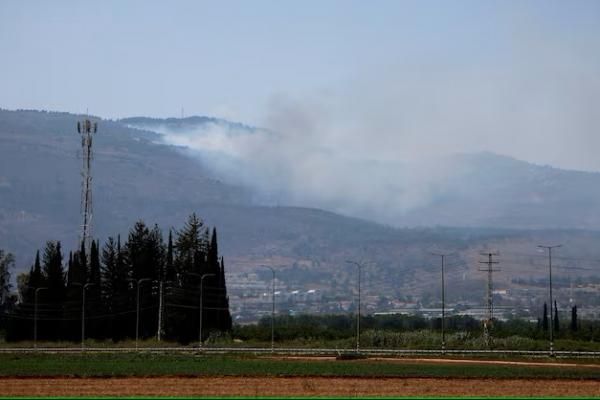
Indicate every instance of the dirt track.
{"type": "Point", "coordinates": [240, 386]}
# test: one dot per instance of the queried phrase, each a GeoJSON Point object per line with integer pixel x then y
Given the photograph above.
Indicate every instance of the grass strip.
{"type": "Point", "coordinates": [131, 365]}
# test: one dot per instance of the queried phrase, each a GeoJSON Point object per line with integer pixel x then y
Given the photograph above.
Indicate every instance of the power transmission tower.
{"type": "Point", "coordinates": [489, 311]}
{"type": "Point", "coordinates": [86, 128]}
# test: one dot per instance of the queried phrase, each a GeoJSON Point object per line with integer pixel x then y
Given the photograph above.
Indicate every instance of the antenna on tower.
{"type": "Point", "coordinates": [86, 128]}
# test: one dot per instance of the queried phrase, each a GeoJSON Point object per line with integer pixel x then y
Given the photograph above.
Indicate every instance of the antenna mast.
{"type": "Point", "coordinates": [86, 128]}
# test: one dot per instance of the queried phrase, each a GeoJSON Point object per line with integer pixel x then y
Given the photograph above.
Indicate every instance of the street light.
{"type": "Point", "coordinates": [272, 306]}
{"type": "Point", "coordinates": [201, 314]}
{"type": "Point", "coordinates": [359, 266]}
{"type": "Point", "coordinates": [137, 313]}
{"type": "Point", "coordinates": [35, 308]}
{"type": "Point", "coordinates": [443, 256]}
{"type": "Point", "coordinates": [201, 297]}
{"type": "Point", "coordinates": [551, 304]}
{"type": "Point", "coordinates": [83, 287]}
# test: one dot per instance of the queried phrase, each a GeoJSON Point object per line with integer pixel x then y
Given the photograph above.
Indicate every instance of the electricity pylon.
{"type": "Point", "coordinates": [489, 310]}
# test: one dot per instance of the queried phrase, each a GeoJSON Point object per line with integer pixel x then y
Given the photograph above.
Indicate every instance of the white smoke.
{"type": "Point", "coordinates": [375, 146]}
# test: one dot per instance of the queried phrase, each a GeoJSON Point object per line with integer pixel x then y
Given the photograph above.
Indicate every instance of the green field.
{"type": "Point", "coordinates": [129, 364]}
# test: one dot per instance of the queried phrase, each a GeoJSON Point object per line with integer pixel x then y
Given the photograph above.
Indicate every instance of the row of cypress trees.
{"type": "Point", "coordinates": [143, 283]}
{"type": "Point", "coordinates": [544, 323]}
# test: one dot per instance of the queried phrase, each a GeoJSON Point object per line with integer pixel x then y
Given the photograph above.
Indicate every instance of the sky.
{"type": "Point", "coordinates": [384, 80]}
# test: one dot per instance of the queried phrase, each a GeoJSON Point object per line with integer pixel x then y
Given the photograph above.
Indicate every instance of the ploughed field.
{"type": "Point", "coordinates": [131, 374]}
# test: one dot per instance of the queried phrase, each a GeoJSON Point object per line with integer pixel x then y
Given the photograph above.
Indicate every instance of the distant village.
{"type": "Point", "coordinates": [251, 299]}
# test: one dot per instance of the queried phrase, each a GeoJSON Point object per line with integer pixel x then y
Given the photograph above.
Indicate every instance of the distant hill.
{"type": "Point", "coordinates": [137, 177]}
{"type": "Point", "coordinates": [184, 124]}
{"type": "Point", "coordinates": [487, 189]}
{"type": "Point", "coordinates": [133, 178]}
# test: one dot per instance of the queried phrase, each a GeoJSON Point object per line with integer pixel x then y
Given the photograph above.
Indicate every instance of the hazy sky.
{"type": "Point", "coordinates": [387, 79]}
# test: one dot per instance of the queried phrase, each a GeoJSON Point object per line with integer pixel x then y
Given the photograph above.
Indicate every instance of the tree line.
{"type": "Point", "coordinates": [343, 326]}
{"type": "Point", "coordinates": [143, 286]}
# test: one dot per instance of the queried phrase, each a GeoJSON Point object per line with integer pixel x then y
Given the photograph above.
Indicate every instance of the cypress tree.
{"type": "Point", "coordinates": [213, 250]}
{"type": "Point", "coordinates": [144, 255]}
{"type": "Point", "coordinates": [94, 276]}
{"type": "Point", "coordinates": [21, 327]}
{"type": "Point", "coordinates": [70, 269]}
{"type": "Point", "coordinates": [114, 288]}
{"type": "Point", "coordinates": [574, 318]}
{"type": "Point", "coordinates": [83, 264]}
{"type": "Point", "coordinates": [120, 263]}
{"type": "Point", "coordinates": [124, 325]}
{"type": "Point", "coordinates": [556, 322]}
{"type": "Point", "coordinates": [6, 262]}
{"type": "Point", "coordinates": [110, 273]}
{"type": "Point", "coordinates": [35, 276]}
{"type": "Point", "coordinates": [53, 273]}
{"type": "Point", "coordinates": [156, 250]}
{"type": "Point", "coordinates": [545, 318]}
{"type": "Point", "coordinates": [93, 298]}
{"type": "Point", "coordinates": [169, 267]}
{"type": "Point", "coordinates": [190, 264]}
{"type": "Point", "coordinates": [73, 298]}
{"type": "Point", "coordinates": [187, 256]}
{"type": "Point", "coordinates": [225, 321]}
{"type": "Point", "coordinates": [135, 256]}
{"type": "Point", "coordinates": [189, 246]}
{"type": "Point", "coordinates": [77, 273]}
{"type": "Point", "coordinates": [54, 280]}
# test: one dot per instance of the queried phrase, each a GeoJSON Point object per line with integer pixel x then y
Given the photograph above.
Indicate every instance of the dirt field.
{"type": "Point", "coordinates": [246, 386]}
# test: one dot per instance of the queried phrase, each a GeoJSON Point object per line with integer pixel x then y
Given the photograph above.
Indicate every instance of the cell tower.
{"type": "Point", "coordinates": [489, 311]}
{"type": "Point", "coordinates": [86, 128]}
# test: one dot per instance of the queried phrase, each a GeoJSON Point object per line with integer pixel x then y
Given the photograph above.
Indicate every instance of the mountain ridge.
{"type": "Point", "coordinates": [135, 177]}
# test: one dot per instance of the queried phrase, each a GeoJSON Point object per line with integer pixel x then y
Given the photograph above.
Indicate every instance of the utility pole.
{"type": "Point", "coordinates": [489, 312]}
{"type": "Point", "coordinates": [549, 248]}
{"type": "Point", "coordinates": [272, 307]}
{"type": "Point", "coordinates": [35, 311]}
{"type": "Point", "coordinates": [86, 128]}
{"type": "Point", "coordinates": [443, 256]}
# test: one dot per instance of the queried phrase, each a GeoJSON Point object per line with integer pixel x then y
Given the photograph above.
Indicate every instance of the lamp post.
{"type": "Point", "coordinates": [272, 307]}
{"type": "Point", "coordinates": [443, 256]}
{"type": "Point", "coordinates": [359, 266]}
{"type": "Point", "coordinates": [35, 309]}
{"type": "Point", "coordinates": [137, 313]}
{"type": "Point", "coordinates": [200, 307]}
{"type": "Point", "coordinates": [201, 314]}
{"type": "Point", "coordinates": [83, 288]}
{"type": "Point", "coordinates": [549, 248]}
